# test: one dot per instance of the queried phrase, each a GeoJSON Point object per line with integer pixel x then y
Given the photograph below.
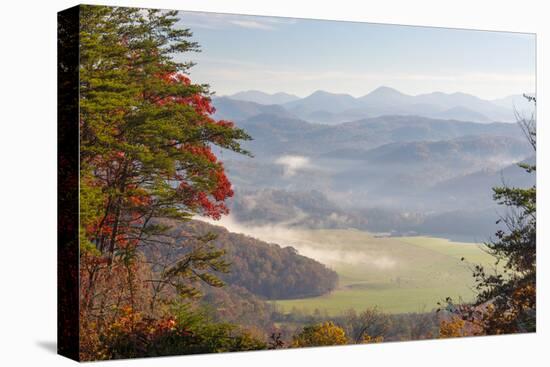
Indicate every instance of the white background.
{"type": "Point", "coordinates": [28, 182]}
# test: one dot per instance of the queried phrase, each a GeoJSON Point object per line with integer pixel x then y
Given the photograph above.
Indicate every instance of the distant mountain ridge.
{"type": "Point", "coordinates": [279, 134]}
{"type": "Point", "coordinates": [227, 108]}
{"type": "Point", "coordinates": [334, 108]}
{"type": "Point", "coordinates": [465, 148]}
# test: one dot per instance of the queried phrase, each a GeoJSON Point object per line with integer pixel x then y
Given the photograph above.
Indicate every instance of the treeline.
{"type": "Point", "coordinates": [197, 329]}
{"type": "Point", "coordinates": [360, 325]}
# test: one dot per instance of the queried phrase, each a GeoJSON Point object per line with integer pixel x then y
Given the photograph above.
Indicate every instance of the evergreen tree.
{"type": "Point", "coordinates": [506, 301]}
{"type": "Point", "coordinates": [146, 138]}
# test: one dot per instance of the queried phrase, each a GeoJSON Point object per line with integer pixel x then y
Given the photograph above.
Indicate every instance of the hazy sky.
{"type": "Point", "coordinates": [300, 56]}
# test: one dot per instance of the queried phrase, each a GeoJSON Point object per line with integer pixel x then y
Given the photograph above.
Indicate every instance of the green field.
{"type": "Point", "coordinates": [395, 274]}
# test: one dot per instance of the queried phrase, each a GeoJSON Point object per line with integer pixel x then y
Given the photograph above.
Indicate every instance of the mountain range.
{"type": "Point", "coordinates": [385, 162]}
{"type": "Point", "coordinates": [277, 134]}
{"type": "Point", "coordinates": [333, 108]}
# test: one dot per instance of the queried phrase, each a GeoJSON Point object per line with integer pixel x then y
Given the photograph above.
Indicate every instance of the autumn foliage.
{"type": "Point", "coordinates": [506, 300]}
{"type": "Point", "coordinates": [146, 140]}
{"type": "Point", "coordinates": [320, 335]}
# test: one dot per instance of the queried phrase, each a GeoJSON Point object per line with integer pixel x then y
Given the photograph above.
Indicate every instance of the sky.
{"type": "Point", "coordinates": [300, 56]}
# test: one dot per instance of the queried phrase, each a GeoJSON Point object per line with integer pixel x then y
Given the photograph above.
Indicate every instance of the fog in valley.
{"type": "Point", "coordinates": [395, 169]}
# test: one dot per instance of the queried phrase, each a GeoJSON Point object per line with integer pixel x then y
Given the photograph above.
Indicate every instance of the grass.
{"type": "Point", "coordinates": [395, 274]}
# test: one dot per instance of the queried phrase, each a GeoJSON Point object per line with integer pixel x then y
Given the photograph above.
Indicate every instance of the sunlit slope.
{"type": "Point", "coordinates": [399, 274]}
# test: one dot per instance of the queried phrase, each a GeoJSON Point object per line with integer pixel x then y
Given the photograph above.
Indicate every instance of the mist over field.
{"type": "Point", "coordinates": [282, 233]}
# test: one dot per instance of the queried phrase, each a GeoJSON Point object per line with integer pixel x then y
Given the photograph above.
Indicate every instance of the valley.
{"type": "Point", "coordinates": [394, 274]}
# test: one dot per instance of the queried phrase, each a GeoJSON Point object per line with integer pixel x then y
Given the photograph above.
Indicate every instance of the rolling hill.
{"type": "Point", "coordinates": [266, 270]}
{"type": "Point", "coordinates": [466, 150]}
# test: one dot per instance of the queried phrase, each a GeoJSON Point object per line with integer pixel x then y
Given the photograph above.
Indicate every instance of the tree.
{"type": "Point", "coordinates": [187, 332]}
{"type": "Point", "coordinates": [146, 130]}
{"type": "Point", "coordinates": [369, 326]}
{"type": "Point", "coordinates": [453, 328]}
{"type": "Point", "coordinates": [320, 335]}
{"type": "Point", "coordinates": [506, 301]}
{"type": "Point", "coordinates": [146, 133]}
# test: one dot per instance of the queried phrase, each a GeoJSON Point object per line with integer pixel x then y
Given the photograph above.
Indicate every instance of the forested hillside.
{"type": "Point", "coordinates": [266, 270]}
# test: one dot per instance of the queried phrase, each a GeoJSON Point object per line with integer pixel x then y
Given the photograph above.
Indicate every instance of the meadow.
{"type": "Point", "coordinates": [394, 274]}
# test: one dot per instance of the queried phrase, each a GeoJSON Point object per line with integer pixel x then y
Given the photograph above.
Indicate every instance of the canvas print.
{"type": "Point", "coordinates": [239, 183]}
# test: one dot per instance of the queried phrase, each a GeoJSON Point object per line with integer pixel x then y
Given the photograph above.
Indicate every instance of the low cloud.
{"type": "Point", "coordinates": [301, 240]}
{"type": "Point", "coordinates": [292, 164]}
